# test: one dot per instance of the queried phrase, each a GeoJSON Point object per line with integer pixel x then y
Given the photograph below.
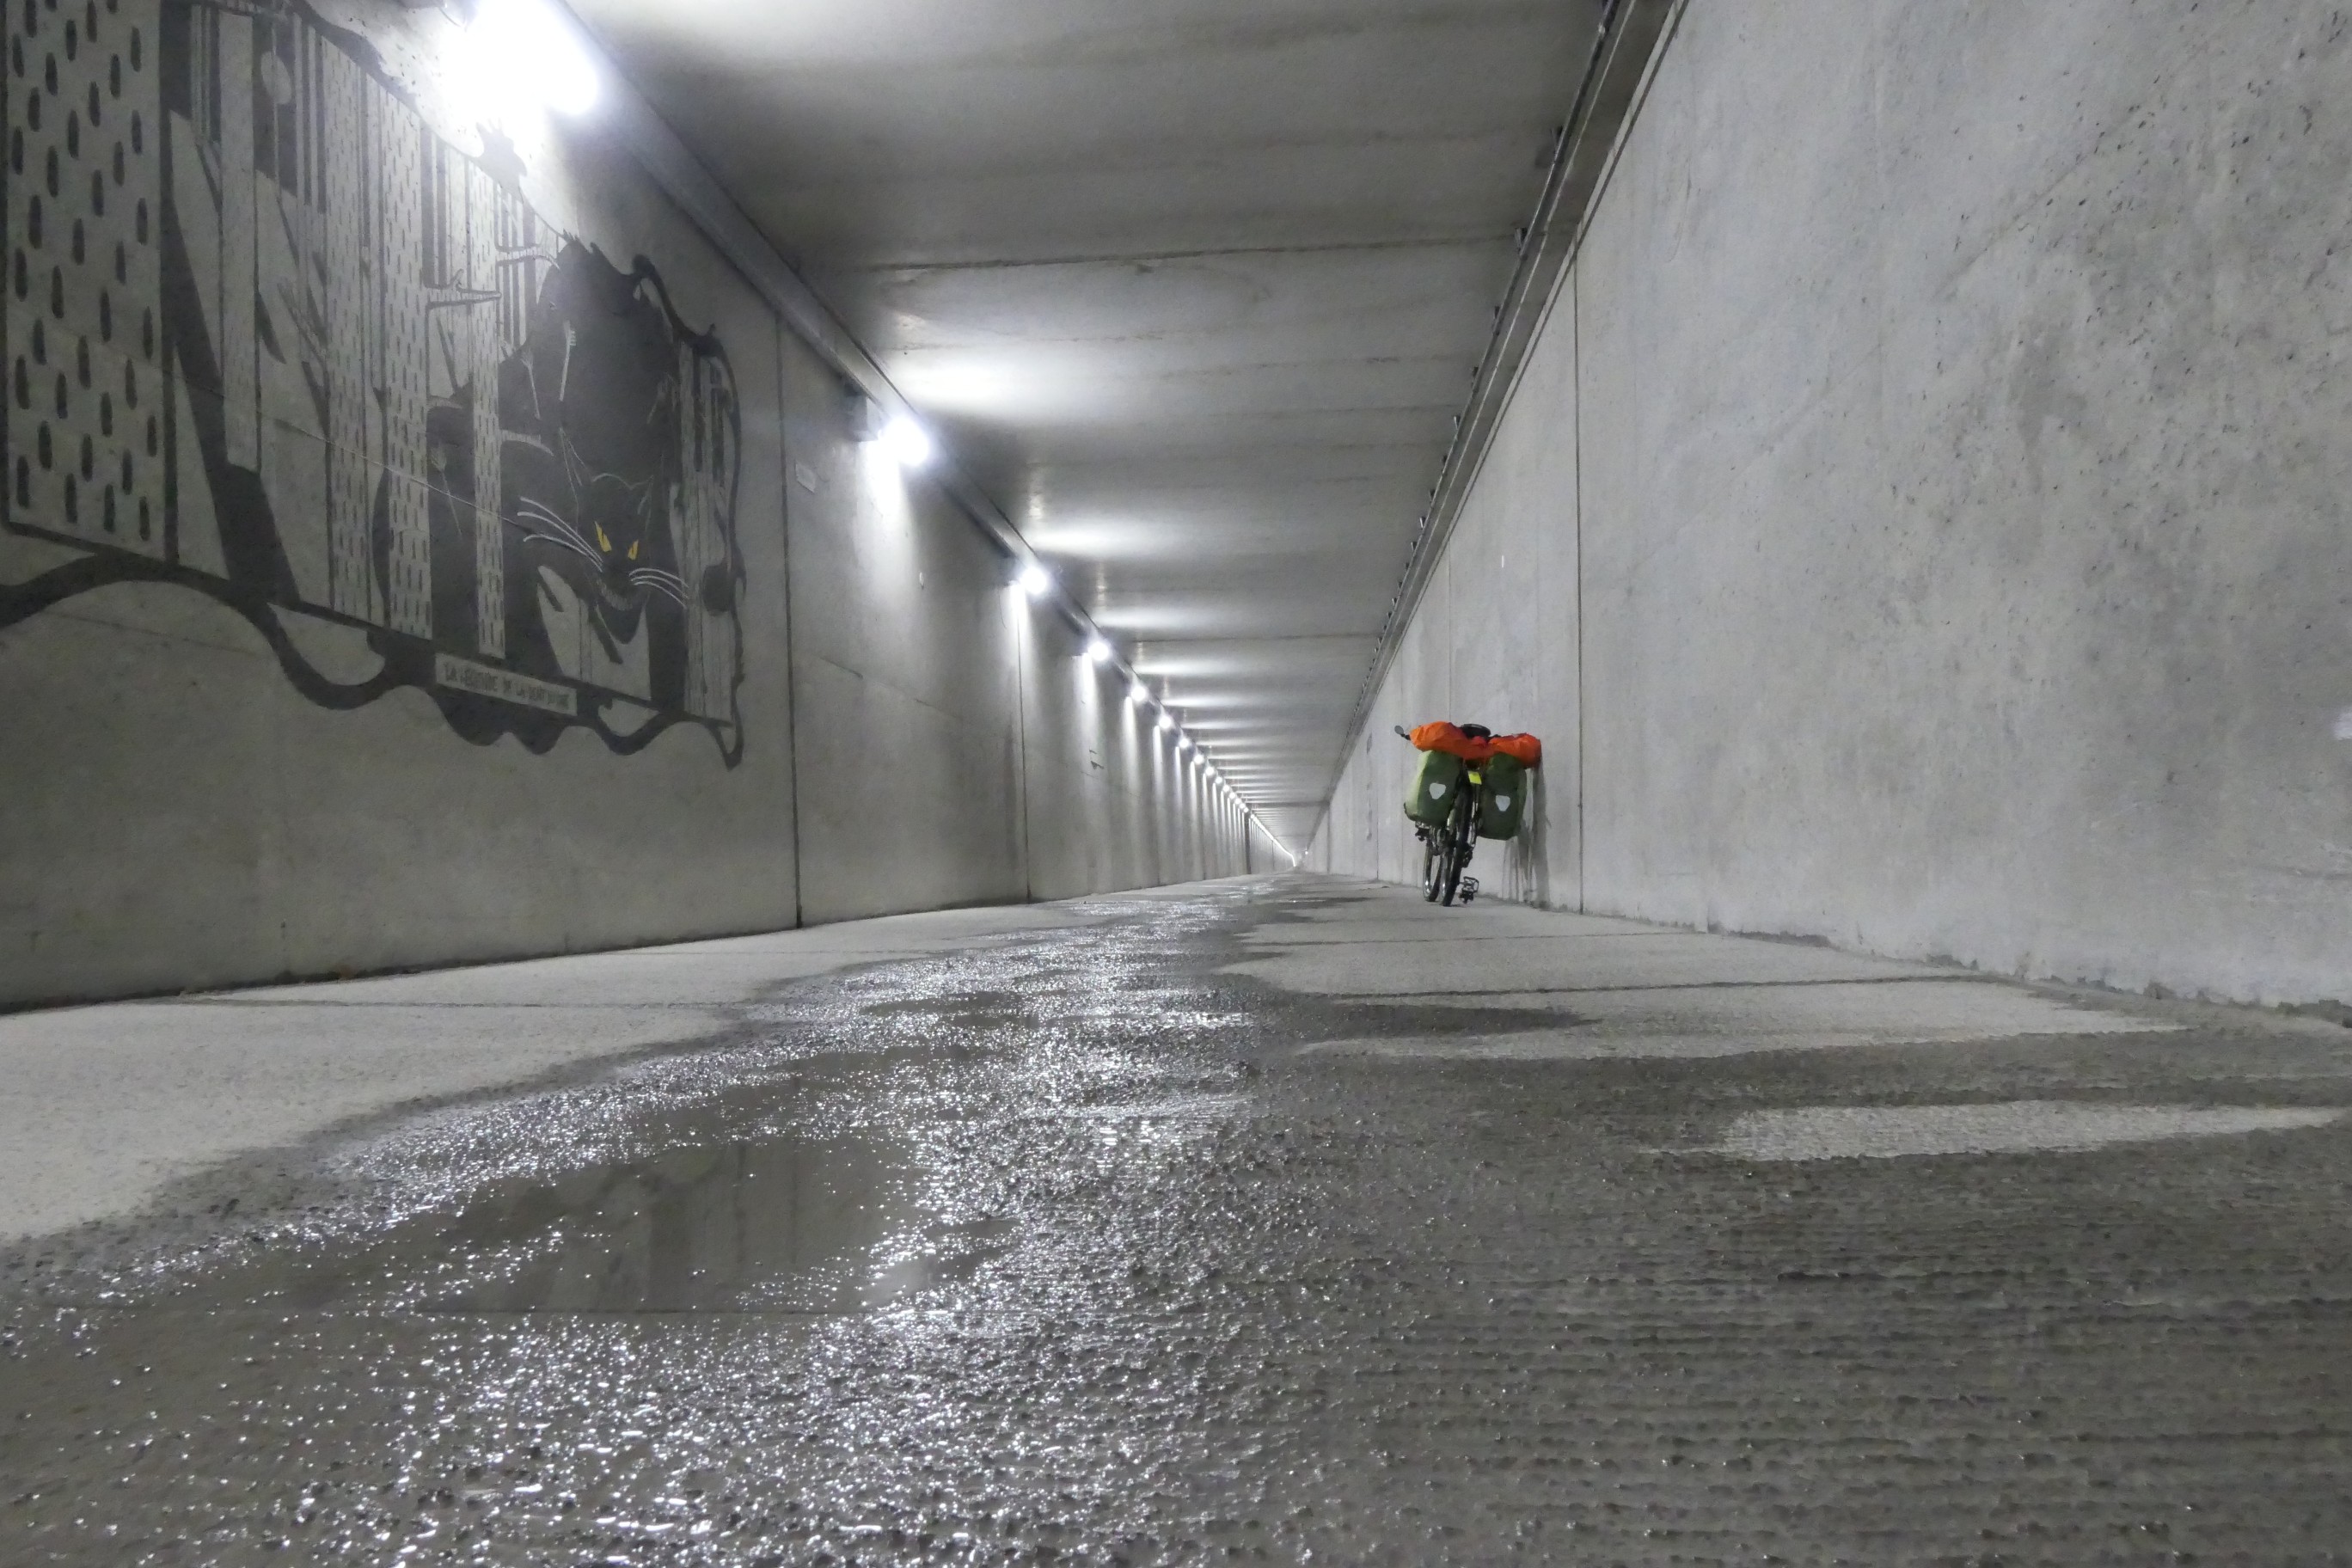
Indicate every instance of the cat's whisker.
{"type": "Point", "coordinates": [571, 544]}
{"type": "Point", "coordinates": [669, 588]}
{"type": "Point", "coordinates": [556, 531]}
{"type": "Point", "coordinates": [539, 511]}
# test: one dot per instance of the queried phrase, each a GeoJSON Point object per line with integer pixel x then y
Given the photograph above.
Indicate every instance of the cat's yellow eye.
{"type": "Point", "coordinates": [602, 543]}
{"type": "Point", "coordinates": [632, 550]}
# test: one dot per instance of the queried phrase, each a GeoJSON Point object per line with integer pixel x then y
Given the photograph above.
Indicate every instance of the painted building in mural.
{"type": "Point", "coordinates": [272, 337]}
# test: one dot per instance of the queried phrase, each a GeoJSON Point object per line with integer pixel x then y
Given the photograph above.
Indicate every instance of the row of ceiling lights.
{"type": "Point", "coordinates": [1037, 582]}
{"type": "Point", "coordinates": [911, 446]}
{"type": "Point", "coordinates": [526, 43]}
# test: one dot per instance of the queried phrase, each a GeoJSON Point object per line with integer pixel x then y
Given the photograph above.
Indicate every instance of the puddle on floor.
{"type": "Point", "coordinates": [2018, 1126]}
{"type": "Point", "coordinates": [772, 1222]}
{"type": "Point", "coordinates": [779, 1224]}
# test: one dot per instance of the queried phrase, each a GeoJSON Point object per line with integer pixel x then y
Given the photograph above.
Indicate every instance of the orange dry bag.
{"type": "Point", "coordinates": [1439, 736]}
{"type": "Point", "coordinates": [1525, 748]}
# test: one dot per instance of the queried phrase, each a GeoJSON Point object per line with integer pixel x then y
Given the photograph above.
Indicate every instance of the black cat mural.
{"type": "Point", "coordinates": [272, 338]}
{"type": "Point", "coordinates": [603, 429]}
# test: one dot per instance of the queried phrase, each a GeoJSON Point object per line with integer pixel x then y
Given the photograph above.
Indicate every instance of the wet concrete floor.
{"type": "Point", "coordinates": [1283, 1220]}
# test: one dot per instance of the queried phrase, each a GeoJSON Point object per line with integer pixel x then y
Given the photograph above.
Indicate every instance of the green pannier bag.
{"type": "Point", "coordinates": [1434, 787]}
{"type": "Point", "coordinates": [1503, 805]}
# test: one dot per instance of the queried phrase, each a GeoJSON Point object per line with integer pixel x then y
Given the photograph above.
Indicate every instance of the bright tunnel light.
{"type": "Point", "coordinates": [1138, 694]}
{"type": "Point", "coordinates": [1098, 650]}
{"type": "Point", "coordinates": [1167, 723]}
{"type": "Point", "coordinates": [1036, 581]}
{"type": "Point", "coordinates": [908, 444]}
{"type": "Point", "coordinates": [522, 47]}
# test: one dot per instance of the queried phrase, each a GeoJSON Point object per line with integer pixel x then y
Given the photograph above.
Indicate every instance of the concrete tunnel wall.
{"type": "Point", "coordinates": [1921, 523]}
{"type": "Point", "coordinates": [288, 686]}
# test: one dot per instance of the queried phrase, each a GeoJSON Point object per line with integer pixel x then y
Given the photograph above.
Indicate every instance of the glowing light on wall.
{"type": "Point", "coordinates": [523, 49]}
{"type": "Point", "coordinates": [908, 444]}
{"type": "Point", "coordinates": [1034, 581]}
{"type": "Point", "coordinates": [1138, 694]}
{"type": "Point", "coordinates": [1098, 650]}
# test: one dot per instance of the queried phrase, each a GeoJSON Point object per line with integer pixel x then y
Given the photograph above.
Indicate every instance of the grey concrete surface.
{"type": "Point", "coordinates": [958, 745]}
{"type": "Point", "coordinates": [1096, 1236]}
{"type": "Point", "coordinates": [1493, 640]}
{"type": "Point", "coordinates": [1922, 525]}
{"type": "Point", "coordinates": [108, 1105]}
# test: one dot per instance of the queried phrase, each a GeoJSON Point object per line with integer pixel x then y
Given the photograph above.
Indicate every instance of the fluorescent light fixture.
{"type": "Point", "coordinates": [1138, 693]}
{"type": "Point", "coordinates": [906, 442]}
{"type": "Point", "coordinates": [1034, 581]}
{"type": "Point", "coordinates": [1098, 650]}
{"type": "Point", "coordinates": [524, 48]}
{"type": "Point", "coordinates": [1167, 723]}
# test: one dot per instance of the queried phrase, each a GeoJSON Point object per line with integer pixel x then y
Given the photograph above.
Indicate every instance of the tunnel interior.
{"type": "Point", "coordinates": [718, 724]}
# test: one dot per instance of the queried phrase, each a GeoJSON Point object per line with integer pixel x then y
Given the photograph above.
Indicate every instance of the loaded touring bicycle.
{"type": "Point", "coordinates": [1472, 783]}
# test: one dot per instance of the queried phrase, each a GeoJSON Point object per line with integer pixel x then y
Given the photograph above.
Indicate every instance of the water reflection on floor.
{"type": "Point", "coordinates": [1074, 1250]}
{"type": "Point", "coordinates": [782, 1224]}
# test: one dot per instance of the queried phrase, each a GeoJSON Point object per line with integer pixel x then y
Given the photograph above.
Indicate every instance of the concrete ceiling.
{"type": "Point", "coordinates": [1192, 288]}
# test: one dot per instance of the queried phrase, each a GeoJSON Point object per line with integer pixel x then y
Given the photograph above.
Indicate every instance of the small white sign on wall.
{"type": "Point", "coordinates": [506, 685]}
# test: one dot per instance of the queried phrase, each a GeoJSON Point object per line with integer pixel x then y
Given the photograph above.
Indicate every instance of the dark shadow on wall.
{"type": "Point", "coordinates": [1530, 866]}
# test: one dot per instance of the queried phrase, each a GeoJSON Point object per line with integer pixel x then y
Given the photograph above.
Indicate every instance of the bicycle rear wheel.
{"type": "Point", "coordinates": [1460, 823]}
{"type": "Point", "coordinates": [1431, 864]}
